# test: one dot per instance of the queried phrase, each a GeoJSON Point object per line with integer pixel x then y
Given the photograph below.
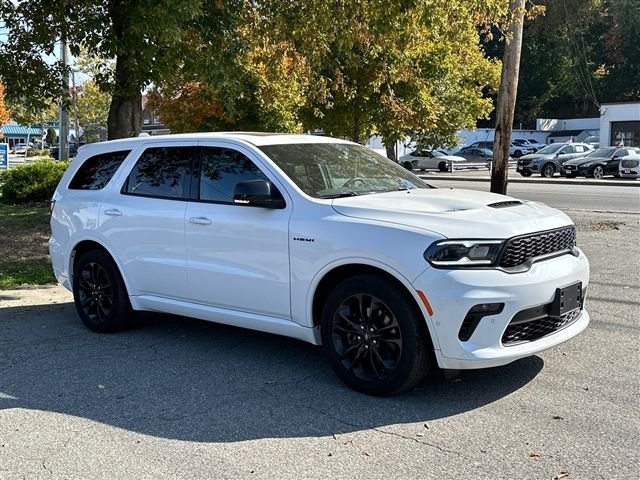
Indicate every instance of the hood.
{"type": "Point", "coordinates": [454, 213]}
{"type": "Point", "coordinates": [581, 160]}
{"type": "Point", "coordinates": [534, 156]}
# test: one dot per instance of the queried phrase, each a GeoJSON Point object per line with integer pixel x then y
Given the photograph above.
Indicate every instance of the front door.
{"type": "Point", "coordinates": [237, 256]}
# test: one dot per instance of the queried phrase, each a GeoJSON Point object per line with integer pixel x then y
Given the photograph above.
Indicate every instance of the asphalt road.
{"type": "Point", "coordinates": [604, 197]}
{"type": "Point", "coordinates": [175, 398]}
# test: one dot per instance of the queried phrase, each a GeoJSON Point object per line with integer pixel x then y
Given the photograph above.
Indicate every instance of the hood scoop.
{"type": "Point", "coordinates": [507, 204]}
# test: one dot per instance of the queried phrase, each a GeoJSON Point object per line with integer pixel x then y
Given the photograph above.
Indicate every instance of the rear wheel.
{"type": "Point", "coordinates": [99, 293]}
{"type": "Point", "coordinates": [548, 170]}
{"type": "Point", "coordinates": [374, 336]}
{"type": "Point", "coordinates": [408, 166]}
{"type": "Point", "coordinates": [598, 172]}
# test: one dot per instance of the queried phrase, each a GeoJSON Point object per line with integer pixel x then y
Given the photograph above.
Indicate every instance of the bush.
{"type": "Point", "coordinates": [38, 152]}
{"type": "Point", "coordinates": [32, 182]}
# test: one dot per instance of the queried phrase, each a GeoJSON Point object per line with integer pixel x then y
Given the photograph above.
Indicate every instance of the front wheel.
{"type": "Point", "coordinates": [442, 166]}
{"type": "Point", "coordinates": [548, 170]}
{"type": "Point", "coordinates": [598, 172]}
{"type": "Point", "coordinates": [525, 174]}
{"type": "Point", "coordinates": [408, 166]}
{"type": "Point", "coordinates": [99, 293]}
{"type": "Point", "coordinates": [375, 337]}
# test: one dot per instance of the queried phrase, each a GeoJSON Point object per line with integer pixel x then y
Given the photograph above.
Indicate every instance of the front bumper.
{"type": "Point", "coordinates": [574, 172]}
{"type": "Point", "coordinates": [452, 293]}
{"type": "Point", "coordinates": [527, 169]}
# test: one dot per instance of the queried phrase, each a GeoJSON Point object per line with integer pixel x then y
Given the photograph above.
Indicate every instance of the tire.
{"type": "Point", "coordinates": [525, 174]}
{"type": "Point", "coordinates": [382, 352]}
{"type": "Point", "coordinates": [597, 172]}
{"type": "Point", "coordinates": [517, 154]}
{"type": "Point", "coordinates": [443, 167]}
{"type": "Point", "coordinates": [548, 170]}
{"type": "Point", "coordinates": [571, 176]}
{"type": "Point", "coordinates": [408, 166]}
{"type": "Point", "coordinates": [99, 293]}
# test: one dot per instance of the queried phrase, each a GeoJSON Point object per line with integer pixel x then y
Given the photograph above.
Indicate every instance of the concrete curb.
{"type": "Point", "coordinates": [555, 180]}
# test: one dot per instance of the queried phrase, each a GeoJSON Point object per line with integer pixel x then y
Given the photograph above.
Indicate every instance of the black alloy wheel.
{"type": "Point", "coordinates": [375, 336]}
{"type": "Point", "coordinates": [367, 337]}
{"type": "Point", "coordinates": [99, 293]}
{"type": "Point", "coordinates": [442, 166]}
{"type": "Point", "coordinates": [548, 169]}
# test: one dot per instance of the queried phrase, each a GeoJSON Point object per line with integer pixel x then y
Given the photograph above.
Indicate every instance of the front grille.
{"type": "Point", "coordinates": [536, 329]}
{"type": "Point", "coordinates": [521, 249]}
{"type": "Point", "coordinates": [570, 167]}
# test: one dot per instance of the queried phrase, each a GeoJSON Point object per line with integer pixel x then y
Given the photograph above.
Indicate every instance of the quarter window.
{"type": "Point", "coordinates": [97, 171]}
{"type": "Point", "coordinates": [164, 172]}
{"type": "Point", "coordinates": [221, 170]}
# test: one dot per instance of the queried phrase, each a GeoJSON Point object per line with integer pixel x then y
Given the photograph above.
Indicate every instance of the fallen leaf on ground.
{"type": "Point", "coordinates": [366, 454]}
{"type": "Point", "coordinates": [534, 454]}
{"type": "Point", "coordinates": [562, 474]}
{"type": "Point", "coordinates": [426, 425]}
{"type": "Point", "coordinates": [557, 417]}
{"type": "Point", "coordinates": [335, 435]}
{"type": "Point", "coordinates": [419, 434]}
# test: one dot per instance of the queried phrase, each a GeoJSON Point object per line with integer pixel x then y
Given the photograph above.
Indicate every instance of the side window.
{"type": "Point", "coordinates": [96, 171]}
{"type": "Point", "coordinates": [164, 172]}
{"type": "Point", "coordinates": [621, 153]}
{"type": "Point", "coordinates": [565, 150]}
{"type": "Point", "coordinates": [579, 148]}
{"type": "Point", "coordinates": [221, 169]}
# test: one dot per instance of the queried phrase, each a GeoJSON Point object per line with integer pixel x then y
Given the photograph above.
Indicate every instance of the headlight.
{"type": "Point", "coordinates": [585, 165]}
{"type": "Point", "coordinates": [463, 253]}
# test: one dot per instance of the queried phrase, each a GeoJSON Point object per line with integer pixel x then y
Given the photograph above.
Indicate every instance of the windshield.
{"type": "Point", "coordinates": [331, 170]}
{"type": "Point", "coordinates": [553, 148]}
{"type": "Point", "coordinates": [602, 152]}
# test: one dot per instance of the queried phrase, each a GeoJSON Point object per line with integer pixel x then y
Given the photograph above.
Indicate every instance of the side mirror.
{"type": "Point", "coordinates": [258, 193]}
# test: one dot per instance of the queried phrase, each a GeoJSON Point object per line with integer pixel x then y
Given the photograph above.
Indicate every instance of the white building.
{"type": "Point", "coordinates": [620, 122]}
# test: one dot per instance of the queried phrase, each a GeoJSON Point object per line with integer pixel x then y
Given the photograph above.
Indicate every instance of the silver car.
{"type": "Point", "coordinates": [548, 160]}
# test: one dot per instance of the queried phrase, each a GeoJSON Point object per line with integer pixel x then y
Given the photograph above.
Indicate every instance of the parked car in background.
{"type": "Point", "coordinates": [318, 239]}
{"type": "Point", "coordinates": [598, 163]}
{"type": "Point", "coordinates": [548, 160]}
{"type": "Point", "coordinates": [21, 148]}
{"type": "Point", "coordinates": [527, 143]}
{"type": "Point", "coordinates": [593, 140]}
{"type": "Point", "coordinates": [476, 155]}
{"type": "Point", "coordinates": [515, 151]}
{"type": "Point", "coordinates": [73, 151]}
{"type": "Point", "coordinates": [630, 166]}
{"type": "Point", "coordinates": [430, 159]}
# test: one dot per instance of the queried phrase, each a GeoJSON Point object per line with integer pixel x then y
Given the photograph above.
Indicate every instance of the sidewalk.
{"type": "Point", "coordinates": [485, 176]}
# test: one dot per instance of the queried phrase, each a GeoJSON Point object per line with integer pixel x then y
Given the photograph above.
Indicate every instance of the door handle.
{"type": "Point", "coordinates": [113, 212]}
{"type": "Point", "coordinates": [200, 220]}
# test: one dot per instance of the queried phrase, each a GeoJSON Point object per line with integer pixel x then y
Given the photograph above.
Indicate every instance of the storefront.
{"type": "Point", "coordinates": [620, 124]}
{"type": "Point", "coordinates": [14, 133]}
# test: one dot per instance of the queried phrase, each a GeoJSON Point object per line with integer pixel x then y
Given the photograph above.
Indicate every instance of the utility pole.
{"type": "Point", "coordinates": [76, 125]}
{"type": "Point", "coordinates": [64, 116]}
{"type": "Point", "coordinates": [507, 98]}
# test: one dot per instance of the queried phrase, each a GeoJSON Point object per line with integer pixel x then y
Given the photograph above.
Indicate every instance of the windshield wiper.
{"type": "Point", "coordinates": [341, 195]}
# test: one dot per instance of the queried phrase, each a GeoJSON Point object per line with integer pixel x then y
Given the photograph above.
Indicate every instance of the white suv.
{"type": "Point", "coordinates": [318, 239]}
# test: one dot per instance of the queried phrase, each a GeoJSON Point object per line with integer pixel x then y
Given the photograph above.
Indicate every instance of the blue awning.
{"type": "Point", "coordinates": [20, 131]}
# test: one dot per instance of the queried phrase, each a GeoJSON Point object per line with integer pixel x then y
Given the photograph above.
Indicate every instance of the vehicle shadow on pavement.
{"type": "Point", "coordinates": [177, 378]}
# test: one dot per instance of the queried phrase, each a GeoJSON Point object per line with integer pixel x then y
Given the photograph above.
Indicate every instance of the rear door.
{"type": "Point", "coordinates": [143, 220]}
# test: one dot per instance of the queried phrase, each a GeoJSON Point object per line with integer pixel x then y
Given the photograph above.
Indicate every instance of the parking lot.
{"type": "Point", "coordinates": [177, 398]}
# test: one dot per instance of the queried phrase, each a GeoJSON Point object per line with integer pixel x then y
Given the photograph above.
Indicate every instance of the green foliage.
{"type": "Point", "coordinates": [38, 152]}
{"type": "Point", "coordinates": [32, 182]}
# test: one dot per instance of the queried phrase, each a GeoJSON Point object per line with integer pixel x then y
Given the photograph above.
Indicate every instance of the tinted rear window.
{"type": "Point", "coordinates": [96, 171]}
{"type": "Point", "coordinates": [165, 172]}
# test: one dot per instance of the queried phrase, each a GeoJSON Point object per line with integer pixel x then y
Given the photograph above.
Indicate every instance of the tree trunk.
{"type": "Point", "coordinates": [507, 99]}
{"type": "Point", "coordinates": [125, 116]}
{"type": "Point", "coordinates": [125, 111]}
{"type": "Point", "coordinates": [391, 150]}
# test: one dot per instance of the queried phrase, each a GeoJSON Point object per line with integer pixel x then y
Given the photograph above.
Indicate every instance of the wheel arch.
{"type": "Point", "coordinates": [333, 275]}
{"type": "Point", "coordinates": [86, 245]}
